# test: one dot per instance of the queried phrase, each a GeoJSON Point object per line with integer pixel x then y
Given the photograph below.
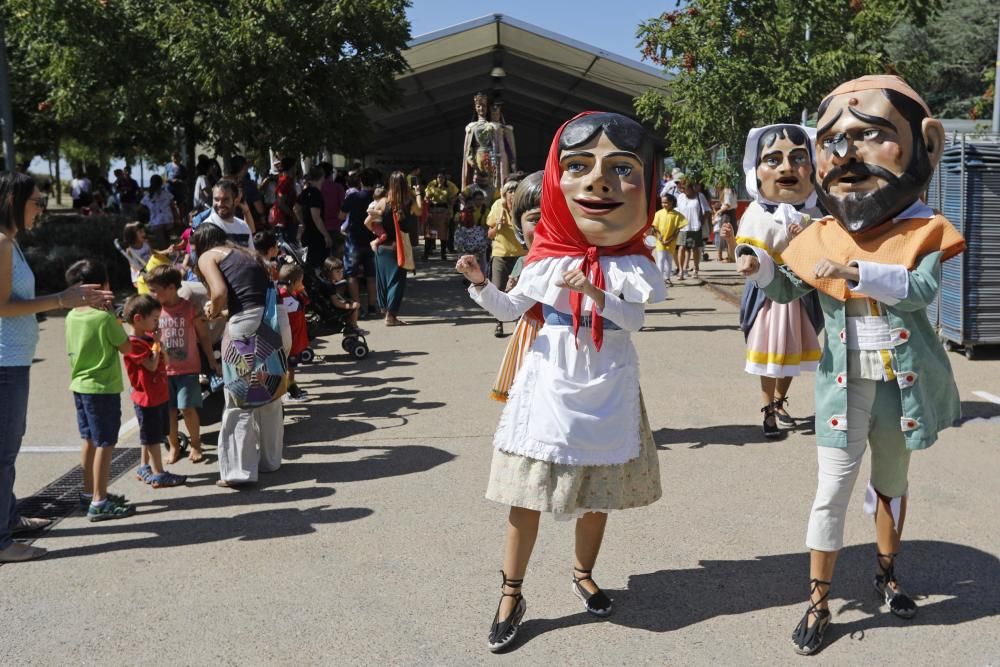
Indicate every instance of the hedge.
{"type": "Point", "coordinates": [58, 240]}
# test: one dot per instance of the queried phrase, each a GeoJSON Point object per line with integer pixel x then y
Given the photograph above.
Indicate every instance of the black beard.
{"type": "Point", "coordinates": [857, 212]}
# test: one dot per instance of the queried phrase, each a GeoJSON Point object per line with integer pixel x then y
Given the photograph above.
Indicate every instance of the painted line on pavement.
{"type": "Point", "coordinates": [49, 450]}
{"type": "Point", "coordinates": [988, 396]}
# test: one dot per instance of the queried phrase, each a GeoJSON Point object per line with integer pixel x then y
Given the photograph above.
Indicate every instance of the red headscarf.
{"type": "Point", "coordinates": [557, 235]}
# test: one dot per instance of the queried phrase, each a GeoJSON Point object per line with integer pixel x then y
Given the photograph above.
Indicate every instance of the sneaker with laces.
{"type": "Point", "coordinates": [116, 498]}
{"type": "Point", "coordinates": [108, 510]}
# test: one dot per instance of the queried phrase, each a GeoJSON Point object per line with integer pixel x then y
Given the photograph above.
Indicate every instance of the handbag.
{"type": "Point", "coordinates": [255, 369]}
{"type": "Point", "coordinates": [404, 250]}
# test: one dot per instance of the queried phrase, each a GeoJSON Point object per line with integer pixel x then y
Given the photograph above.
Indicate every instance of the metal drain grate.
{"type": "Point", "coordinates": [61, 498]}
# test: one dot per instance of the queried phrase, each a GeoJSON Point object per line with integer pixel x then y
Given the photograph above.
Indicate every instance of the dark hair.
{"type": "Point", "coordinates": [15, 191]}
{"type": "Point", "coordinates": [236, 164]}
{"type": "Point", "coordinates": [264, 240]}
{"type": "Point", "coordinates": [515, 176]}
{"type": "Point", "coordinates": [327, 168]}
{"type": "Point", "coordinates": [165, 275]}
{"type": "Point", "coordinates": [399, 194]}
{"type": "Point", "coordinates": [353, 180]}
{"type": "Point", "coordinates": [527, 196]}
{"type": "Point", "coordinates": [142, 305]}
{"type": "Point", "coordinates": [793, 133]}
{"type": "Point", "coordinates": [155, 182]}
{"type": "Point", "coordinates": [289, 273]}
{"type": "Point", "coordinates": [227, 185]}
{"type": "Point", "coordinates": [86, 272]}
{"type": "Point", "coordinates": [670, 198]}
{"type": "Point", "coordinates": [315, 173]}
{"type": "Point", "coordinates": [624, 133]}
{"type": "Point", "coordinates": [331, 264]}
{"type": "Point", "coordinates": [369, 177]}
{"type": "Point", "coordinates": [130, 233]}
{"type": "Point", "coordinates": [206, 237]}
{"type": "Point", "coordinates": [287, 163]}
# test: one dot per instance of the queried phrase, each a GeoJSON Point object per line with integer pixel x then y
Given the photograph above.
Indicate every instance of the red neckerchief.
{"type": "Point", "coordinates": [557, 235]}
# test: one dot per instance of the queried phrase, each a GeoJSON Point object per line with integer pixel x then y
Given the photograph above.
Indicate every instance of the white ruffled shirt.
{"type": "Point", "coordinates": [571, 403]}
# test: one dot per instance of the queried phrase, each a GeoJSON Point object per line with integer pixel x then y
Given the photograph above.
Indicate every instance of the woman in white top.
{"type": "Point", "coordinates": [574, 439]}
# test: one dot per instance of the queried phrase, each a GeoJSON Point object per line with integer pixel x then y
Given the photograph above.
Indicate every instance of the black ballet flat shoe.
{"type": "Point", "coordinates": [597, 603]}
{"type": "Point", "coordinates": [502, 633]}
{"type": "Point", "coordinates": [807, 639]}
{"type": "Point", "coordinates": [770, 425]}
{"type": "Point", "coordinates": [498, 330]}
{"type": "Point", "coordinates": [780, 413]}
{"type": "Point", "coordinates": [900, 604]}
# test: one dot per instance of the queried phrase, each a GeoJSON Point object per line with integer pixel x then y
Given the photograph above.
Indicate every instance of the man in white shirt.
{"type": "Point", "coordinates": [223, 214]}
{"type": "Point", "coordinates": [694, 207]}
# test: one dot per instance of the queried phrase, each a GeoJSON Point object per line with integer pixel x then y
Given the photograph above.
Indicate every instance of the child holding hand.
{"type": "Point", "coordinates": [292, 293]}
{"type": "Point", "coordinates": [147, 372]}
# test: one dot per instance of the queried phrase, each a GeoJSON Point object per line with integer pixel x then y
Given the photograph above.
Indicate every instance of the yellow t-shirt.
{"type": "Point", "coordinates": [667, 224]}
{"type": "Point", "coordinates": [505, 243]}
{"type": "Point", "coordinates": [438, 194]}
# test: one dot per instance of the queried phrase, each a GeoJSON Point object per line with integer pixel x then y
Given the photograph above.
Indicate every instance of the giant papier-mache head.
{"type": "Point", "coordinates": [876, 150]}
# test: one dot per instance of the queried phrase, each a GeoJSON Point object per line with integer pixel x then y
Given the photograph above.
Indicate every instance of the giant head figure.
{"type": "Point", "coordinates": [778, 165]}
{"type": "Point", "coordinates": [876, 149]}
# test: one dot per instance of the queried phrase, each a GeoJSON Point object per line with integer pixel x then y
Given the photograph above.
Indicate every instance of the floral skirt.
{"type": "Point", "coordinates": [571, 490]}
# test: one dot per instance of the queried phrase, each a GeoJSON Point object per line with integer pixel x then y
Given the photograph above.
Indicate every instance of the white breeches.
{"type": "Point", "coordinates": [664, 262]}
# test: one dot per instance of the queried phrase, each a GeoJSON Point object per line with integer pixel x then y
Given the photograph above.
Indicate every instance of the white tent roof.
{"type": "Point", "coordinates": [548, 78]}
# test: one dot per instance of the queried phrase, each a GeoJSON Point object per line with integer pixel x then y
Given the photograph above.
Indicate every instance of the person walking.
{"type": "Point", "coordinates": [21, 204]}
{"type": "Point", "coordinates": [506, 247]}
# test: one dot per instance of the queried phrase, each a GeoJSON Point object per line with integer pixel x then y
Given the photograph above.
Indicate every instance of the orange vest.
{"type": "Point", "coordinates": [903, 242]}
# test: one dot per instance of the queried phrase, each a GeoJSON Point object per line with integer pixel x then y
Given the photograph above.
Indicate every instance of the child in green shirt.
{"type": "Point", "coordinates": [94, 339]}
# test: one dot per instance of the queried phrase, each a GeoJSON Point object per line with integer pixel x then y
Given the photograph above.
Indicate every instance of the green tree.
{"type": "Point", "coordinates": [741, 63]}
{"type": "Point", "coordinates": [126, 76]}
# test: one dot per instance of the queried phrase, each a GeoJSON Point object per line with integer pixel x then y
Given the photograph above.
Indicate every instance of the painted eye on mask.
{"type": "Point", "coordinates": [836, 145]}
{"type": "Point", "coordinates": [575, 167]}
{"type": "Point", "coordinates": [623, 170]}
{"type": "Point", "coordinates": [871, 134]}
{"type": "Point", "coordinates": [800, 160]}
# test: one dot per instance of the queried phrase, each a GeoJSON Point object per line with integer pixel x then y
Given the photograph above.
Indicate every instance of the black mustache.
{"type": "Point", "coordinates": [859, 169]}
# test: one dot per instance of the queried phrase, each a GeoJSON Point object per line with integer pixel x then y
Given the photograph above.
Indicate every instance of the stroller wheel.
{"type": "Point", "coordinates": [307, 355]}
{"type": "Point", "coordinates": [359, 350]}
{"type": "Point", "coordinates": [348, 344]}
{"type": "Point", "coordinates": [182, 441]}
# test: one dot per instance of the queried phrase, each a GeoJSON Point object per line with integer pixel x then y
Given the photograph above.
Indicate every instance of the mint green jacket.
{"type": "Point", "coordinates": [927, 388]}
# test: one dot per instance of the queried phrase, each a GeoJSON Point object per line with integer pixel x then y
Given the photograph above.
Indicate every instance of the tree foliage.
{"type": "Point", "coordinates": [741, 63]}
{"type": "Point", "coordinates": [128, 75]}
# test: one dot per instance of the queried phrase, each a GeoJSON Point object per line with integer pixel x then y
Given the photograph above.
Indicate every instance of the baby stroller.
{"type": "Point", "coordinates": [322, 314]}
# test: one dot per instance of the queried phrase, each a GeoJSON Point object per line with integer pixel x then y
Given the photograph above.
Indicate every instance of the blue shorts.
{"type": "Point", "coordinates": [185, 391]}
{"type": "Point", "coordinates": [99, 416]}
{"type": "Point", "coordinates": [154, 423]}
{"type": "Point", "coordinates": [359, 260]}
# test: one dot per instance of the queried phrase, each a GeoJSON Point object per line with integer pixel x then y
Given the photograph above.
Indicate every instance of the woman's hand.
{"type": "Point", "coordinates": [86, 295]}
{"type": "Point", "coordinates": [746, 265]}
{"type": "Point", "coordinates": [826, 268]}
{"type": "Point", "coordinates": [468, 266]}
{"type": "Point", "coordinates": [726, 231]}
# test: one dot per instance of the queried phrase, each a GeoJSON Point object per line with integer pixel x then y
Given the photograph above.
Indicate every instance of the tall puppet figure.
{"type": "Point", "coordinates": [884, 380]}
{"type": "Point", "coordinates": [481, 149]}
{"type": "Point", "coordinates": [781, 337]}
{"type": "Point", "coordinates": [507, 157]}
{"type": "Point", "coordinates": [574, 439]}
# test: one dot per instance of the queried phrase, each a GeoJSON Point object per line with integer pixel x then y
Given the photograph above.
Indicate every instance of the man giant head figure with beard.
{"type": "Point", "coordinates": [877, 147]}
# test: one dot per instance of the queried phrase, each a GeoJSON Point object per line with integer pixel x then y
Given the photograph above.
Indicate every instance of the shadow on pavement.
{"type": "Point", "coordinates": [968, 579]}
{"type": "Point", "coordinates": [378, 462]}
{"type": "Point", "coordinates": [722, 434]}
{"type": "Point", "coordinates": [978, 410]}
{"type": "Point", "coordinates": [692, 327]}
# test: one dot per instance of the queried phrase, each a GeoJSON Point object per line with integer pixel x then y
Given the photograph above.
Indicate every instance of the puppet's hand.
{"type": "Point", "coordinates": [747, 265]}
{"type": "Point", "coordinates": [468, 266]}
{"type": "Point", "coordinates": [577, 281]}
{"type": "Point", "coordinates": [794, 229]}
{"type": "Point", "coordinates": [826, 268]}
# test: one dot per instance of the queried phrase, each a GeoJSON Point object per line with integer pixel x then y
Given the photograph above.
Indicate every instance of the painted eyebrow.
{"type": "Point", "coordinates": [826, 128]}
{"type": "Point", "coordinates": [624, 154]}
{"type": "Point", "coordinates": [567, 156]}
{"type": "Point", "coordinates": [874, 120]}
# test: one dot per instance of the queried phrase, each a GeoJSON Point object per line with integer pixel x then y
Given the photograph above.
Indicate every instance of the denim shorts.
{"type": "Point", "coordinates": [154, 423]}
{"type": "Point", "coordinates": [99, 416]}
{"type": "Point", "coordinates": [185, 391]}
{"type": "Point", "coordinates": [359, 260]}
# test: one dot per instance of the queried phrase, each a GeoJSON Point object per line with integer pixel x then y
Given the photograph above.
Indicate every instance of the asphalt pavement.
{"type": "Point", "coordinates": [373, 543]}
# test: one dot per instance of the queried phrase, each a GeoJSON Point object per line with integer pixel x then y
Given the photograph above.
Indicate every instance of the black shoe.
{"type": "Point", "coordinates": [444, 255]}
{"type": "Point", "coordinates": [781, 414]}
{"type": "Point", "coordinates": [502, 633]}
{"type": "Point", "coordinates": [808, 639]}
{"type": "Point", "coordinates": [597, 603]}
{"type": "Point", "coordinates": [498, 330]}
{"type": "Point", "coordinates": [900, 604]}
{"type": "Point", "coordinates": [770, 426]}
